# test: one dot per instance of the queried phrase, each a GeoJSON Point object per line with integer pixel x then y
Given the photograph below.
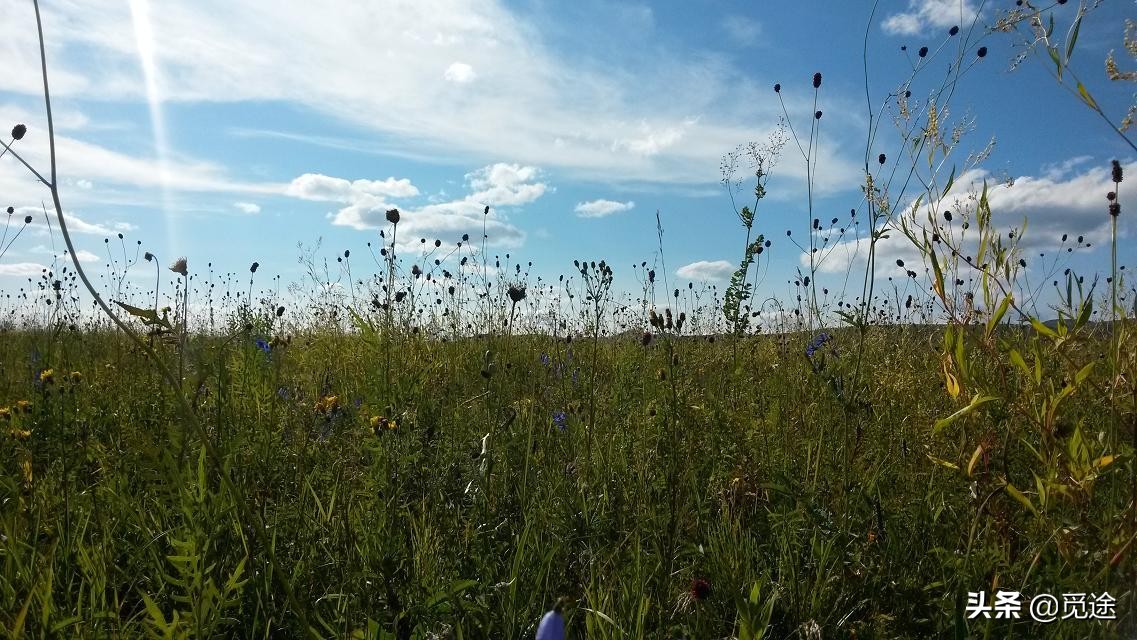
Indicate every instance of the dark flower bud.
{"type": "Point", "coordinates": [817, 115]}
{"type": "Point", "coordinates": [279, 311]}
{"type": "Point", "coordinates": [486, 211]}
{"type": "Point", "coordinates": [1111, 196]}
{"type": "Point", "coordinates": [27, 219]}
{"type": "Point", "coordinates": [923, 51]}
{"type": "Point", "coordinates": [899, 262]}
{"type": "Point", "coordinates": [947, 216]}
{"type": "Point", "coordinates": [881, 158]}
{"type": "Point", "coordinates": [347, 253]}
{"type": "Point", "coordinates": [1115, 209]}
{"type": "Point", "coordinates": [982, 52]}
{"type": "Point", "coordinates": [777, 88]}
{"type": "Point", "coordinates": [1117, 176]}
{"type": "Point", "coordinates": [393, 216]}
{"type": "Point", "coordinates": [817, 81]}
{"type": "Point", "coordinates": [18, 131]}
{"type": "Point", "coordinates": [953, 31]}
{"type": "Point", "coordinates": [11, 210]}
{"type": "Point", "coordinates": [148, 256]}
{"type": "Point", "coordinates": [252, 269]}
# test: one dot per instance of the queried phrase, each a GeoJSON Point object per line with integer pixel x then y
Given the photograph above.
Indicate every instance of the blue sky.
{"type": "Point", "coordinates": [231, 131]}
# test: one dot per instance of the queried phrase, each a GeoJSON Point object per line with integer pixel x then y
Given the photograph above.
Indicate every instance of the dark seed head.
{"type": "Point", "coordinates": [1117, 175]}
{"type": "Point", "coordinates": [19, 131]}
{"type": "Point", "coordinates": [881, 158]}
{"type": "Point", "coordinates": [982, 52]}
{"type": "Point", "coordinates": [817, 81]}
{"type": "Point", "coordinates": [393, 216]}
{"type": "Point", "coordinates": [27, 219]}
{"type": "Point", "coordinates": [923, 51]}
{"type": "Point", "coordinates": [254, 267]}
{"type": "Point", "coordinates": [953, 31]}
{"type": "Point", "coordinates": [777, 88]}
{"type": "Point", "coordinates": [817, 115]}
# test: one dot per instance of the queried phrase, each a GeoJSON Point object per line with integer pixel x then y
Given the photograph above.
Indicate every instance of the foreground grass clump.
{"type": "Point", "coordinates": [716, 487]}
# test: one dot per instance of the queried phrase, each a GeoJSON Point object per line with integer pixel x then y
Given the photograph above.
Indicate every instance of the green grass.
{"type": "Point", "coordinates": [732, 461]}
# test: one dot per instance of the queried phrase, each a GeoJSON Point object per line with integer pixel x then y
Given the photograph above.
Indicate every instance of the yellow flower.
{"type": "Point", "coordinates": [327, 404]}
{"type": "Point", "coordinates": [21, 434]}
{"type": "Point", "coordinates": [47, 376]}
{"type": "Point", "coordinates": [24, 405]}
{"type": "Point", "coordinates": [26, 467]}
{"type": "Point", "coordinates": [379, 423]}
{"type": "Point", "coordinates": [5, 414]}
{"type": "Point", "coordinates": [76, 377]}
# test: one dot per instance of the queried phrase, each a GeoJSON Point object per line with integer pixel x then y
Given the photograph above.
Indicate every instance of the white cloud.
{"type": "Point", "coordinates": [601, 208]}
{"type": "Point", "coordinates": [496, 185]}
{"type": "Point", "coordinates": [75, 224]}
{"type": "Point", "coordinates": [460, 73]}
{"type": "Point", "coordinates": [317, 186]}
{"type": "Point", "coordinates": [706, 270]}
{"type": "Point", "coordinates": [1057, 202]}
{"type": "Point", "coordinates": [87, 256]}
{"type": "Point", "coordinates": [21, 269]}
{"type": "Point", "coordinates": [247, 207]}
{"type": "Point", "coordinates": [922, 15]}
{"type": "Point", "coordinates": [741, 30]}
{"type": "Point", "coordinates": [503, 185]}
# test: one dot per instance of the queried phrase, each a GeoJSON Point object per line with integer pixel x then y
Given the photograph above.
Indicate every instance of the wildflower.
{"type": "Point", "coordinates": [253, 269]}
{"type": "Point", "coordinates": [545, 359]}
{"type": "Point", "coordinates": [393, 216]}
{"type": "Point", "coordinates": [24, 406]}
{"type": "Point", "coordinates": [11, 210]}
{"type": "Point", "coordinates": [1117, 175]}
{"type": "Point", "coordinates": [148, 256]}
{"type": "Point", "coordinates": [5, 414]}
{"type": "Point", "coordinates": [179, 267]}
{"type": "Point", "coordinates": [27, 219]}
{"type": "Point", "coordinates": [777, 88]}
{"type": "Point", "coordinates": [279, 311]}
{"type": "Point", "coordinates": [76, 377]}
{"type": "Point", "coordinates": [327, 405]}
{"type": "Point", "coordinates": [700, 589]}
{"type": "Point", "coordinates": [19, 131]}
{"type": "Point", "coordinates": [923, 51]}
{"type": "Point", "coordinates": [982, 52]}
{"type": "Point", "coordinates": [560, 420]}
{"type": "Point", "coordinates": [953, 31]}
{"type": "Point", "coordinates": [21, 434]}
{"type": "Point", "coordinates": [47, 376]}
{"type": "Point", "coordinates": [817, 115]}
{"type": "Point", "coordinates": [817, 81]}
{"type": "Point", "coordinates": [379, 424]}
{"type": "Point", "coordinates": [263, 345]}
{"type": "Point", "coordinates": [552, 626]}
{"type": "Point", "coordinates": [516, 293]}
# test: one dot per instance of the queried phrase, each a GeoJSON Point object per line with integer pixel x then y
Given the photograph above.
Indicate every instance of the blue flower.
{"type": "Point", "coordinates": [545, 359]}
{"type": "Point", "coordinates": [560, 420]}
{"type": "Point", "coordinates": [552, 626]}
{"type": "Point", "coordinates": [264, 345]}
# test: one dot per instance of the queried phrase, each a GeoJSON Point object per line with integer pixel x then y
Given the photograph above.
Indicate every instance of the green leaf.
{"type": "Point", "coordinates": [149, 317]}
{"type": "Point", "coordinates": [1013, 491]}
{"type": "Point", "coordinates": [1018, 361]}
{"type": "Point", "coordinates": [1043, 329]}
{"type": "Point", "coordinates": [1087, 97]}
{"type": "Point", "coordinates": [998, 316]}
{"type": "Point", "coordinates": [1053, 51]}
{"type": "Point", "coordinates": [950, 181]}
{"type": "Point", "coordinates": [1072, 36]}
{"type": "Point", "coordinates": [976, 402]}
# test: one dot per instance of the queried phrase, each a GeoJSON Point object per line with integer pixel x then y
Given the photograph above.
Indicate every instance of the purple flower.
{"type": "Point", "coordinates": [545, 359]}
{"type": "Point", "coordinates": [263, 345]}
{"type": "Point", "coordinates": [560, 420]}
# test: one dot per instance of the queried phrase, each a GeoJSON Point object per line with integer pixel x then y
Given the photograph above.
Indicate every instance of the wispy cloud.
{"type": "Point", "coordinates": [922, 15]}
{"type": "Point", "coordinates": [522, 94]}
{"type": "Point", "coordinates": [21, 269]}
{"type": "Point", "coordinates": [601, 208]}
{"type": "Point", "coordinates": [247, 207]}
{"type": "Point", "coordinates": [741, 30]}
